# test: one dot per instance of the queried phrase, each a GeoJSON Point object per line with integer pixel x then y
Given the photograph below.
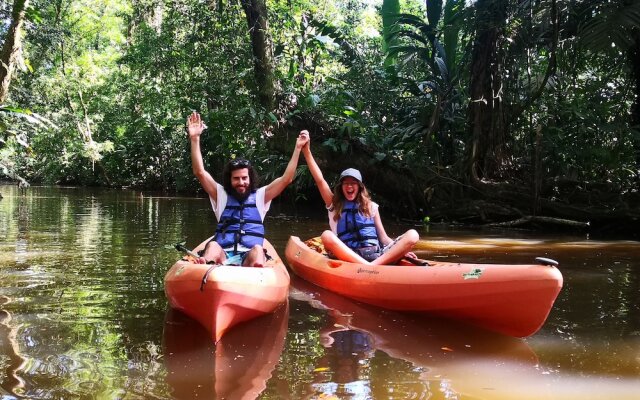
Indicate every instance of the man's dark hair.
{"type": "Point", "coordinates": [238, 163]}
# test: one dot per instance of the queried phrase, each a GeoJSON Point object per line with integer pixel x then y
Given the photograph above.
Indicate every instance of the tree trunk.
{"type": "Point", "coordinates": [634, 62]}
{"type": "Point", "coordinates": [486, 114]}
{"type": "Point", "coordinates": [11, 47]}
{"type": "Point", "coordinates": [256, 12]}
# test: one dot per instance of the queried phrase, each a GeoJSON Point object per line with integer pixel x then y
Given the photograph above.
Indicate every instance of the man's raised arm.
{"type": "Point", "coordinates": [279, 184]}
{"type": "Point", "coordinates": [195, 126]}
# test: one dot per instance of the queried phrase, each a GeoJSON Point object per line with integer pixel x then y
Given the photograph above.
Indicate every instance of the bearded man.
{"type": "Point", "coordinates": [239, 207]}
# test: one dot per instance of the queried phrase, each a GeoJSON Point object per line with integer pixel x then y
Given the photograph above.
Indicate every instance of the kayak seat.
{"type": "Point", "coordinates": [316, 244]}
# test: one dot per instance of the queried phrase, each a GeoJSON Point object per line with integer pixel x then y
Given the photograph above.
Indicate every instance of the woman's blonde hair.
{"type": "Point", "coordinates": [363, 199]}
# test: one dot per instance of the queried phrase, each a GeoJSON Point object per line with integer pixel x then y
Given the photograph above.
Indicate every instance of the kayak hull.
{"type": "Point", "coordinates": [229, 295]}
{"type": "Point", "coordinates": [510, 299]}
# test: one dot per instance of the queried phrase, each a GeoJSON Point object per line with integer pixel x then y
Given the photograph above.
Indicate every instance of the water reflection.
{"type": "Point", "coordinates": [448, 359]}
{"type": "Point", "coordinates": [344, 370]}
{"type": "Point", "coordinates": [10, 350]}
{"type": "Point", "coordinates": [238, 367]}
{"type": "Point", "coordinates": [435, 348]}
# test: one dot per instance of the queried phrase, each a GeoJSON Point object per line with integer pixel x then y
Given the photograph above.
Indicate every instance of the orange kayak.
{"type": "Point", "coordinates": [510, 299]}
{"type": "Point", "coordinates": [221, 296]}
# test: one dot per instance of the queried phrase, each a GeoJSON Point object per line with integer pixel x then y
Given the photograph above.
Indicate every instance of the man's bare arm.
{"type": "Point", "coordinates": [195, 126]}
{"type": "Point", "coordinates": [279, 184]}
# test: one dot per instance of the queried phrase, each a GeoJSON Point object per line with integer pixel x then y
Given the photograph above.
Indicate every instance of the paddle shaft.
{"type": "Point", "coordinates": [180, 247]}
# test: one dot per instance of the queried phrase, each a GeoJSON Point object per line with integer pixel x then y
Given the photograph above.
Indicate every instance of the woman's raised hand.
{"type": "Point", "coordinates": [303, 139]}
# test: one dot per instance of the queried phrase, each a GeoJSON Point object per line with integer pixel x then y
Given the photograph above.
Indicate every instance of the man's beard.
{"type": "Point", "coordinates": [241, 197]}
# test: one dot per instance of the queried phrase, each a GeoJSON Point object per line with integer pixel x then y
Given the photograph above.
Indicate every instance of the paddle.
{"type": "Point", "coordinates": [416, 261]}
{"type": "Point", "coordinates": [180, 247]}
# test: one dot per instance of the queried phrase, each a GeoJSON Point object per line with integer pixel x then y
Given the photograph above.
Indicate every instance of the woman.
{"type": "Point", "coordinates": [357, 233]}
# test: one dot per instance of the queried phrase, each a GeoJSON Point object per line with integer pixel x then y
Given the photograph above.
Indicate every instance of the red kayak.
{"type": "Point", "coordinates": [221, 296]}
{"type": "Point", "coordinates": [510, 299]}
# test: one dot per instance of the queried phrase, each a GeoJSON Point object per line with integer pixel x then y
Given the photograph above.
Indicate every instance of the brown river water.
{"type": "Point", "coordinates": [83, 314]}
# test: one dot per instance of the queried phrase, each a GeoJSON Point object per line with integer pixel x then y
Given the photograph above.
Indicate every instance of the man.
{"type": "Point", "coordinates": [239, 207]}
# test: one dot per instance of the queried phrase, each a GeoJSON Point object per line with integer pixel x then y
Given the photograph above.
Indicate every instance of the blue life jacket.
{"type": "Point", "coordinates": [356, 230]}
{"type": "Point", "coordinates": [240, 223]}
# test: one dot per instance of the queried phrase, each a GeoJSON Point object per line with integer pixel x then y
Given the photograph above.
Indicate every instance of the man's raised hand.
{"type": "Point", "coordinates": [303, 139]}
{"type": "Point", "coordinates": [195, 126]}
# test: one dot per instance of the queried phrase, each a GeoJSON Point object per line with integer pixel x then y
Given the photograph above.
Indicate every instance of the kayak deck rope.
{"type": "Point", "coordinates": [204, 278]}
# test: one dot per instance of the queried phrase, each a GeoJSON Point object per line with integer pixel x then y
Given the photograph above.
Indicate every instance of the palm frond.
{"type": "Point", "coordinates": [412, 20]}
{"type": "Point", "coordinates": [442, 67]}
{"type": "Point", "coordinates": [419, 51]}
{"type": "Point", "coordinates": [434, 11]}
{"type": "Point", "coordinates": [609, 26]}
{"type": "Point", "coordinates": [411, 35]}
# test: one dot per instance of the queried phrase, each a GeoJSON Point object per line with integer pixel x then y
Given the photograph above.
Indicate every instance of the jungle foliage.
{"type": "Point", "coordinates": [484, 111]}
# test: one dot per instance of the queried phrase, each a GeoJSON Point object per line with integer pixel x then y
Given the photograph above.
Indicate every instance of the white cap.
{"type": "Point", "coordinates": [352, 172]}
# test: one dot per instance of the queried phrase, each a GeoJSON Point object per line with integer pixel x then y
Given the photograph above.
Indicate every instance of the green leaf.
{"type": "Point", "coordinates": [323, 39]}
{"type": "Point", "coordinates": [434, 11]}
{"type": "Point", "coordinates": [331, 143]}
{"type": "Point", "coordinates": [349, 113]}
{"type": "Point", "coordinates": [379, 156]}
{"type": "Point", "coordinates": [314, 100]}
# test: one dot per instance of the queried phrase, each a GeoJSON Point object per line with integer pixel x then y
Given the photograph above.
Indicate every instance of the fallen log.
{"type": "Point", "coordinates": [533, 219]}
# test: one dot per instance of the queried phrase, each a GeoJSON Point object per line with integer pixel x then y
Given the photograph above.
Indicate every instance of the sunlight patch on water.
{"type": "Point", "coordinates": [25, 256]}
{"type": "Point", "coordinates": [501, 244]}
{"type": "Point", "coordinates": [486, 380]}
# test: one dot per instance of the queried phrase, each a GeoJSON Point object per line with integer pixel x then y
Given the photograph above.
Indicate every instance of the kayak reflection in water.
{"type": "Point", "coordinates": [363, 343]}
{"type": "Point", "coordinates": [237, 367]}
